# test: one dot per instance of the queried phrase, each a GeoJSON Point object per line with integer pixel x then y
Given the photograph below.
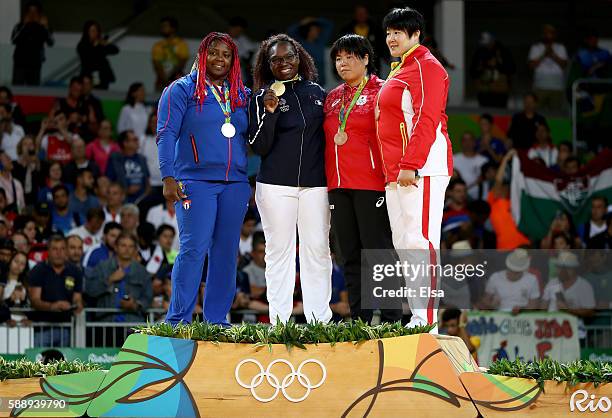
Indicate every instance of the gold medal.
{"type": "Point", "coordinates": [278, 88]}
{"type": "Point", "coordinates": [340, 138]}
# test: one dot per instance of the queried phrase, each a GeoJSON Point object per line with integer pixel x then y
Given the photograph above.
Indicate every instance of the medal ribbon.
{"type": "Point", "coordinates": [344, 112]}
{"type": "Point", "coordinates": [397, 65]}
{"type": "Point", "coordinates": [296, 78]}
{"type": "Point", "coordinates": [224, 104]}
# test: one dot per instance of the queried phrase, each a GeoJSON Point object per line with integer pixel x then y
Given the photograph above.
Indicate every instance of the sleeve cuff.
{"type": "Point", "coordinates": [408, 166]}
{"type": "Point", "coordinates": [166, 172]}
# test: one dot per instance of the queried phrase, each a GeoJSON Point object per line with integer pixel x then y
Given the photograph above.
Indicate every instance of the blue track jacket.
{"type": "Point", "coordinates": [189, 140]}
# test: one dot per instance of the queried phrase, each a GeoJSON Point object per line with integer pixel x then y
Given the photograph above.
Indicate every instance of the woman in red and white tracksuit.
{"type": "Point", "coordinates": [355, 180]}
{"type": "Point", "coordinates": [415, 150]}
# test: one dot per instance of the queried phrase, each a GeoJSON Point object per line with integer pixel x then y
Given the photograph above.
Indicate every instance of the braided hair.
{"type": "Point", "coordinates": [238, 94]}
{"type": "Point", "coordinates": [262, 74]}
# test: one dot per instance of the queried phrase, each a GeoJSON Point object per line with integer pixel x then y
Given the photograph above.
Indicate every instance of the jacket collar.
{"type": "Point", "coordinates": [396, 66]}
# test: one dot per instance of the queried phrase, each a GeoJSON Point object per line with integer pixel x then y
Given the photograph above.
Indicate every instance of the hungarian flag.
{"type": "Point", "coordinates": [538, 193]}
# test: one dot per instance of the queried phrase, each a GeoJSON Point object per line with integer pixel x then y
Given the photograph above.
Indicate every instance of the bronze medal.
{"type": "Point", "coordinates": [340, 138]}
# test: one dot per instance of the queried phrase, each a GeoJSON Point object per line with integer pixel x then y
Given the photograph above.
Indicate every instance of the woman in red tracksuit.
{"type": "Point", "coordinates": [415, 150]}
{"type": "Point", "coordinates": [353, 169]}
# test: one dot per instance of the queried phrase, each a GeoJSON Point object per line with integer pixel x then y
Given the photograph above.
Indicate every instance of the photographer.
{"type": "Point", "coordinates": [93, 49]}
{"type": "Point", "coordinates": [29, 37]}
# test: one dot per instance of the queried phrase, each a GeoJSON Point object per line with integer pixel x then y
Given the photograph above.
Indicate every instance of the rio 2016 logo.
{"type": "Point", "coordinates": [579, 401]}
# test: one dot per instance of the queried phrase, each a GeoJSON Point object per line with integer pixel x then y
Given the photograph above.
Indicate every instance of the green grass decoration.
{"type": "Point", "coordinates": [20, 369]}
{"type": "Point", "coordinates": [289, 334]}
{"type": "Point", "coordinates": [579, 371]}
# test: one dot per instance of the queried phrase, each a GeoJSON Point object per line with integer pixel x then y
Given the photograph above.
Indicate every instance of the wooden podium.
{"type": "Point", "coordinates": [419, 375]}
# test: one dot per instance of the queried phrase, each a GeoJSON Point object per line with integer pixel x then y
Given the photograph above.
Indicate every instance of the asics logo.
{"type": "Point", "coordinates": [380, 202]}
{"type": "Point", "coordinates": [280, 386]}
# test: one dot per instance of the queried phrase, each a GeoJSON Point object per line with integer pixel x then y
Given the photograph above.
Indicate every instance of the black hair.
{"type": "Point", "coordinates": [51, 356]}
{"type": "Point", "coordinates": [479, 207]}
{"type": "Point", "coordinates": [150, 131]}
{"type": "Point", "coordinates": [486, 166]}
{"type": "Point", "coordinates": [129, 98]}
{"type": "Point", "coordinates": [455, 182]}
{"type": "Point", "coordinates": [85, 34]}
{"type": "Point", "coordinates": [258, 237]}
{"type": "Point", "coordinates": [262, 74]}
{"type": "Point", "coordinates": [95, 213]}
{"type": "Point", "coordinates": [123, 135]}
{"type": "Point", "coordinates": [126, 235]}
{"type": "Point", "coordinates": [7, 107]}
{"type": "Point", "coordinates": [171, 20]}
{"type": "Point", "coordinates": [356, 45]}
{"type": "Point", "coordinates": [532, 95]}
{"type": "Point", "coordinates": [33, 3]}
{"type": "Point", "coordinates": [53, 163]}
{"type": "Point", "coordinates": [59, 187]}
{"type": "Point", "coordinates": [146, 232]}
{"type": "Point", "coordinates": [487, 116]}
{"type": "Point", "coordinates": [602, 198]}
{"type": "Point", "coordinates": [566, 144]}
{"type": "Point", "coordinates": [21, 221]}
{"type": "Point", "coordinates": [304, 29]}
{"type": "Point", "coordinates": [249, 216]}
{"type": "Point", "coordinates": [450, 314]}
{"type": "Point", "coordinates": [110, 226]}
{"type": "Point", "coordinates": [75, 79]}
{"type": "Point", "coordinates": [56, 238]}
{"type": "Point", "coordinates": [572, 158]}
{"type": "Point", "coordinates": [406, 19]}
{"type": "Point", "coordinates": [82, 171]}
{"type": "Point", "coordinates": [24, 274]}
{"type": "Point", "coordinates": [7, 244]}
{"type": "Point", "coordinates": [9, 93]}
{"type": "Point", "coordinates": [163, 228]}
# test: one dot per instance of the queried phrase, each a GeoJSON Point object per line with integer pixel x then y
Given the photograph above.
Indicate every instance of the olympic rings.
{"type": "Point", "coordinates": [273, 381]}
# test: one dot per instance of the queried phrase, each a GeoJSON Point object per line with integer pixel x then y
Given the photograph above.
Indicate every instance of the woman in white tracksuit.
{"type": "Point", "coordinates": [286, 129]}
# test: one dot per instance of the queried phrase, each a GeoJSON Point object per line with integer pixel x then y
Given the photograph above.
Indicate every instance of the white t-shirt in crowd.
{"type": "Point", "coordinates": [548, 75]}
{"type": "Point", "coordinates": [158, 215]}
{"type": "Point", "coordinates": [513, 293]}
{"type": "Point", "coordinates": [597, 229]}
{"type": "Point", "coordinates": [89, 240]}
{"type": "Point", "coordinates": [547, 153]}
{"type": "Point", "coordinates": [469, 170]}
{"type": "Point", "coordinates": [10, 141]}
{"type": "Point", "coordinates": [246, 245]}
{"type": "Point", "coordinates": [580, 295]}
{"type": "Point", "coordinates": [148, 148]}
{"type": "Point", "coordinates": [257, 275]}
{"type": "Point", "coordinates": [135, 118]}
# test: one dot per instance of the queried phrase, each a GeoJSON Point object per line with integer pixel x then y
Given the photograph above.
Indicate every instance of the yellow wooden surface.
{"type": "Point", "coordinates": [16, 389]}
{"type": "Point", "coordinates": [352, 370]}
{"type": "Point", "coordinates": [552, 401]}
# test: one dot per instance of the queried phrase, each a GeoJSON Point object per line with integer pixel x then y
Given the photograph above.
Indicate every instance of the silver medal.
{"type": "Point", "coordinates": [228, 130]}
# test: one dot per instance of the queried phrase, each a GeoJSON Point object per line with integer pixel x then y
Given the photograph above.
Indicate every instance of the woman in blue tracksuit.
{"type": "Point", "coordinates": [286, 129]}
{"type": "Point", "coordinates": [201, 137]}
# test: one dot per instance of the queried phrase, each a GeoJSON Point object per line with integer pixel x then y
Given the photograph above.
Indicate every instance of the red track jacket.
{"type": "Point", "coordinates": [356, 164]}
{"type": "Point", "coordinates": [412, 122]}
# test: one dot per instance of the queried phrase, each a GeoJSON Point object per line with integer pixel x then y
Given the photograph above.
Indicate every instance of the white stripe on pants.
{"type": "Point", "coordinates": [281, 209]}
{"type": "Point", "coordinates": [415, 215]}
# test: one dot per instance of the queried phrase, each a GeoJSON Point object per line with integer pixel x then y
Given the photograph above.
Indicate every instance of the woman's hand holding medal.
{"type": "Point", "coordinates": [270, 101]}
